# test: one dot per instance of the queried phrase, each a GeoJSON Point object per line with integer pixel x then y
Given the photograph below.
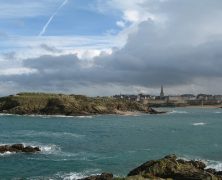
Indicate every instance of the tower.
{"type": "Point", "coordinates": [161, 92]}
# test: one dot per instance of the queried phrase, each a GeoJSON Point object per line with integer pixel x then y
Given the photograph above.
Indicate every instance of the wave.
{"type": "Point", "coordinates": [6, 153]}
{"type": "Point", "coordinates": [199, 124]}
{"type": "Point", "coordinates": [217, 165]}
{"type": "Point", "coordinates": [178, 112]}
{"type": "Point", "coordinates": [89, 117]}
{"type": "Point", "coordinates": [69, 176]}
{"type": "Point", "coordinates": [46, 116]}
{"type": "Point", "coordinates": [5, 114]}
{"type": "Point", "coordinates": [73, 176]}
{"type": "Point", "coordinates": [214, 164]}
{"type": "Point", "coordinates": [79, 175]}
{"type": "Point", "coordinates": [217, 112]}
{"type": "Point", "coordinates": [48, 134]}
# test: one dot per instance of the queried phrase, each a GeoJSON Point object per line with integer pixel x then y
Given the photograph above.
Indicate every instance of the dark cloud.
{"type": "Point", "coordinates": [50, 48]}
{"type": "Point", "coordinates": [9, 55]}
{"type": "Point", "coordinates": [184, 50]}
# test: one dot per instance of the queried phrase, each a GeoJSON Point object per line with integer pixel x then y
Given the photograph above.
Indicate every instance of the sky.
{"type": "Point", "coordinates": [107, 47]}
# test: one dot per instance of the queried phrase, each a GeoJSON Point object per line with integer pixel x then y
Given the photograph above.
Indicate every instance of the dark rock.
{"type": "Point", "coordinates": [212, 171]}
{"type": "Point", "coordinates": [30, 149]}
{"type": "Point", "coordinates": [153, 111]}
{"type": "Point", "coordinates": [218, 173]}
{"type": "Point", "coordinates": [18, 148]}
{"type": "Point", "coordinates": [170, 167]}
{"type": "Point", "coordinates": [103, 176]}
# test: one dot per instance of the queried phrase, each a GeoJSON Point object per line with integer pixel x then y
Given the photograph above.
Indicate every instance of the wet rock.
{"type": "Point", "coordinates": [18, 148]}
{"type": "Point", "coordinates": [153, 111]}
{"type": "Point", "coordinates": [171, 167]}
{"type": "Point", "coordinates": [103, 176]}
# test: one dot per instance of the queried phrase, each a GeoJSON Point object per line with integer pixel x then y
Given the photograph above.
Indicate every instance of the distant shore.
{"type": "Point", "coordinates": [70, 105]}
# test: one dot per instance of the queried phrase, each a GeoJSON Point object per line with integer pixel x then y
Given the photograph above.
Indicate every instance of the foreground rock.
{"type": "Point", "coordinates": [171, 167]}
{"type": "Point", "coordinates": [103, 176]}
{"type": "Point", "coordinates": [15, 148]}
{"type": "Point", "coordinates": [168, 167]}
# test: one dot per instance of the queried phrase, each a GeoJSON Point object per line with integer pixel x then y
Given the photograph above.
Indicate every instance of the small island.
{"type": "Point", "coordinates": [69, 105]}
{"type": "Point", "coordinates": [16, 148]}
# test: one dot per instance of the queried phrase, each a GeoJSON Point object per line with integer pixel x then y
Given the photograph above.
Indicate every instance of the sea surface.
{"type": "Point", "coordinates": [74, 147]}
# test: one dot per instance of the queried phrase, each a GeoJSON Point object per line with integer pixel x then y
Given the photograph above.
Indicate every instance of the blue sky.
{"type": "Point", "coordinates": [104, 47]}
{"type": "Point", "coordinates": [77, 17]}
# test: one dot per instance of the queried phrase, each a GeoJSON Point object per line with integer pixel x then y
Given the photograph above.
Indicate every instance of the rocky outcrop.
{"type": "Point", "coordinates": [169, 167]}
{"type": "Point", "coordinates": [15, 148]}
{"type": "Point", "coordinates": [178, 169]}
{"type": "Point", "coordinates": [103, 176]}
{"type": "Point", "coordinates": [71, 105]}
{"type": "Point", "coordinates": [153, 111]}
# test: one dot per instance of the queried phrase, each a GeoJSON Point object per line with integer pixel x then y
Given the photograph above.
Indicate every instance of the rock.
{"type": "Point", "coordinates": [153, 111]}
{"type": "Point", "coordinates": [18, 148]}
{"type": "Point", "coordinates": [213, 171]}
{"type": "Point", "coordinates": [103, 176]}
{"type": "Point", "coordinates": [170, 167]}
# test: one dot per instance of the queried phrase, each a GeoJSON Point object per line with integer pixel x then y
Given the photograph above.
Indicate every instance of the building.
{"type": "Point", "coordinates": [161, 93]}
{"type": "Point", "coordinates": [188, 97]}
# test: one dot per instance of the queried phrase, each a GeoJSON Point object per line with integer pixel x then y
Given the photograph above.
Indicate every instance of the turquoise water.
{"type": "Point", "coordinates": [73, 147]}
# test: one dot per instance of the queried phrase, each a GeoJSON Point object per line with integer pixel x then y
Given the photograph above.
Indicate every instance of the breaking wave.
{"type": "Point", "coordinates": [32, 133]}
{"type": "Point", "coordinates": [217, 165]}
{"type": "Point", "coordinates": [46, 116]}
{"type": "Point", "coordinates": [178, 112]}
{"type": "Point", "coordinates": [199, 124]}
{"type": "Point", "coordinates": [217, 112]}
{"type": "Point", "coordinates": [6, 153]}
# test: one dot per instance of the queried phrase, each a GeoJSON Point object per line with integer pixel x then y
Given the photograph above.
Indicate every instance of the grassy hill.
{"type": "Point", "coordinates": [60, 104]}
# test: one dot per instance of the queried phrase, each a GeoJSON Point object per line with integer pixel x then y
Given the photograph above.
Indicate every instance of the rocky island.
{"type": "Point", "coordinates": [169, 167]}
{"type": "Point", "coordinates": [70, 105]}
{"type": "Point", "coordinates": [16, 148]}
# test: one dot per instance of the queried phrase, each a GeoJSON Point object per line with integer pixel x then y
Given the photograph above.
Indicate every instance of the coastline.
{"type": "Point", "coordinates": [121, 113]}
{"type": "Point", "coordinates": [205, 106]}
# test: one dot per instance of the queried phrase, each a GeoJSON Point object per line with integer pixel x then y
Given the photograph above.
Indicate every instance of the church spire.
{"type": "Point", "coordinates": [161, 92]}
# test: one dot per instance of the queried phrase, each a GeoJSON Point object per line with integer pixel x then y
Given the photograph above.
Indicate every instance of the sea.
{"type": "Point", "coordinates": [76, 147]}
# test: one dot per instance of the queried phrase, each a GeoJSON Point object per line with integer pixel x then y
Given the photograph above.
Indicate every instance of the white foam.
{"type": "Point", "coordinates": [48, 134]}
{"type": "Point", "coordinates": [7, 153]}
{"type": "Point", "coordinates": [73, 176]}
{"type": "Point", "coordinates": [217, 165]}
{"type": "Point", "coordinates": [217, 112]}
{"type": "Point", "coordinates": [214, 164]}
{"type": "Point", "coordinates": [46, 116]}
{"type": "Point", "coordinates": [78, 175]}
{"type": "Point", "coordinates": [89, 117]}
{"type": "Point", "coordinates": [5, 114]}
{"type": "Point", "coordinates": [45, 148]}
{"type": "Point", "coordinates": [178, 112]}
{"type": "Point", "coordinates": [199, 124]}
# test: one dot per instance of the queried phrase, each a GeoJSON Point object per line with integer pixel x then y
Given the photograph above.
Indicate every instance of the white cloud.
{"type": "Point", "coordinates": [121, 24]}
{"type": "Point", "coordinates": [17, 71]}
{"type": "Point", "coordinates": [131, 16]}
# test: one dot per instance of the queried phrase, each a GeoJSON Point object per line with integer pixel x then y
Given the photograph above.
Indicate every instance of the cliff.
{"type": "Point", "coordinates": [60, 104]}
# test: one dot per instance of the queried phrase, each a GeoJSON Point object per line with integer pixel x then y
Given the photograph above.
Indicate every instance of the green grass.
{"type": "Point", "coordinates": [43, 103]}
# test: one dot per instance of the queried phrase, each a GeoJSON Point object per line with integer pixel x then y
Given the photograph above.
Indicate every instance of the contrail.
{"type": "Point", "coordinates": [52, 17]}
